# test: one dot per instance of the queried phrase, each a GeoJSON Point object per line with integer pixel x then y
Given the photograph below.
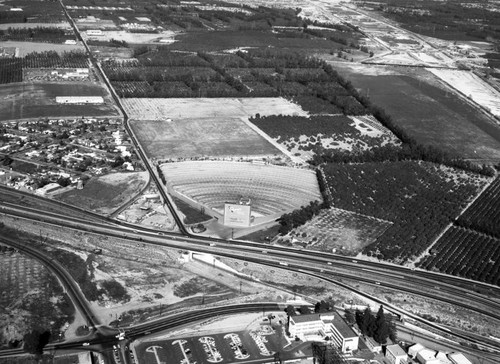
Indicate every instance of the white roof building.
{"type": "Point", "coordinates": [458, 358]}
{"type": "Point", "coordinates": [427, 356]}
{"type": "Point", "coordinates": [396, 354]}
{"type": "Point", "coordinates": [414, 349]}
{"type": "Point", "coordinates": [315, 327]}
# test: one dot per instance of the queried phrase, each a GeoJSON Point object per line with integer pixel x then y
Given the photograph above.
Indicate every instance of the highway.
{"type": "Point", "coordinates": [475, 296]}
{"type": "Point", "coordinates": [323, 266]}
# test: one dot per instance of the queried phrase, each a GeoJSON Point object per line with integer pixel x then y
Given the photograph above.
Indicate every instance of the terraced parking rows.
{"type": "Point", "coordinates": [272, 189]}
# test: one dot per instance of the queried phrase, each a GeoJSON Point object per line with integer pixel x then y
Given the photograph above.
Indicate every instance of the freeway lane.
{"type": "Point", "coordinates": [410, 283]}
{"type": "Point", "coordinates": [402, 279]}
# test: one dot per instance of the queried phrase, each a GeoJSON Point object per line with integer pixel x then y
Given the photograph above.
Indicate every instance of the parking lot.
{"type": "Point", "coordinates": [260, 342]}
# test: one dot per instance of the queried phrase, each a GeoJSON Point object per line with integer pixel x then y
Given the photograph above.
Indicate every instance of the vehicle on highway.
{"type": "Point", "coordinates": [354, 261]}
{"type": "Point", "coordinates": [86, 344]}
{"type": "Point", "coordinates": [284, 263]}
{"type": "Point", "coordinates": [213, 244]}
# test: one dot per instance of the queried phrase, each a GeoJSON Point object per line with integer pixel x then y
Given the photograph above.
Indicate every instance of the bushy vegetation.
{"type": "Point", "coordinates": [36, 34]}
{"type": "Point", "coordinates": [299, 217]}
{"type": "Point", "coordinates": [466, 253]}
{"type": "Point", "coordinates": [115, 291]}
{"type": "Point", "coordinates": [417, 197]}
{"type": "Point", "coordinates": [484, 214]}
{"type": "Point", "coordinates": [51, 59]}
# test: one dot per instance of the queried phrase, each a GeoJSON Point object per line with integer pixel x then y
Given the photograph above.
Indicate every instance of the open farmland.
{"type": "Point", "coordinates": [26, 48]}
{"type": "Point", "coordinates": [340, 231]}
{"type": "Point", "coordinates": [153, 109]}
{"type": "Point", "coordinates": [200, 137]}
{"type": "Point", "coordinates": [465, 253]}
{"type": "Point", "coordinates": [401, 193]}
{"type": "Point", "coordinates": [23, 101]}
{"type": "Point", "coordinates": [430, 114]}
{"type": "Point", "coordinates": [473, 87]}
{"type": "Point", "coordinates": [107, 193]}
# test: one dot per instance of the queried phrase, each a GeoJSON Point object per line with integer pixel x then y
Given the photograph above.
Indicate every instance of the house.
{"type": "Point", "coordinates": [427, 356]}
{"type": "Point", "coordinates": [458, 358]}
{"type": "Point", "coordinates": [314, 327]}
{"type": "Point", "coordinates": [396, 354]}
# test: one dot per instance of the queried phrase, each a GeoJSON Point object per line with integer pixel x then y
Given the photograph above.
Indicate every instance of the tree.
{"type": "Point", "coordinates": [290, 311]}
{"type": "Point", "coordinates": [367, 322]}
{"type": "Point", "coordinates": [393, 331]}
{"type": "Point", "coordinates": [381, 327]}
{"type": "Point", "coordinates": [34, 341]}
{"type": "Point", "coordinates": [349, 317]}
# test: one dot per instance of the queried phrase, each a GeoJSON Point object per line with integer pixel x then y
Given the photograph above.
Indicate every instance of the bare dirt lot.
{"type": "Point", "coordinates": [185, 138]}
{"type": "Point", "coordinates": [107, 193]}
{"type": "Point", "coordinates": [151, 109]}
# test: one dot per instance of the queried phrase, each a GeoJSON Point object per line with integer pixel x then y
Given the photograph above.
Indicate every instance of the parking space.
{"type": "Point", "coordinates": [260, 342]}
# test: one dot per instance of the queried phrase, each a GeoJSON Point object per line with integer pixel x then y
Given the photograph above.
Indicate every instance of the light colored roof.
{"type": "Point", "coordinates": [396, 350]}
{"type": "Point", "coordinates": [459, 358]}
{"type": "Point", "coordinates": [305, 318]}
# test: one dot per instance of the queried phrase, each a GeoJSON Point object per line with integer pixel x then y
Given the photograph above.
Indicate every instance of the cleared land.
{"type": "Point", "coordinates": [473, 87]}
{"type": "Point", "coordinates": [430, 114]}
{"type": "Point", "coordinates": [29, 47]}
{"type": "Point", "coordinates": [340, 231]}
{"type": "Point", "coordinates": [201, 137]}
{"type": "Point", "coordinates": [107, 193]}
{"type": "Point", "coordinates": [24, 101]}
{"type": "Point", "coordinates": [151, 109]}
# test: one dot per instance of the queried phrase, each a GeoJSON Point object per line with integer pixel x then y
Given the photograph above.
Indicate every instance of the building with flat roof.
{"type": "Point", "coordinates": [427, 356]}
{"type": "Point", "coordinates": [458, 358]}
{"type": "Point", "coordinates": [318, 327]}
{"type": "Point", "coordinates": [396, 354]}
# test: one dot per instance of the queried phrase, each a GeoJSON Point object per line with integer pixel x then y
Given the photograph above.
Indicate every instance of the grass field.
{"type": "Point", "coordinates": [23, 101]}
{"type": "Point", "coordinates": [431, 115]}
{"type": "Point", "coordinates": [211, 137]}
{"type": "Point", "coordinates": [220, 40]}
{"type": "Point", "coordinates": [107, 193]}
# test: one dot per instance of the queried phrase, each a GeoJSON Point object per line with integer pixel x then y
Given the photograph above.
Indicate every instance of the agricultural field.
{"type": "Point", "coordinates": [220, 137]}
{"type": "Point", "coordinates": [338, 231]}
{"type": "Point", "coordinates": [200, 108]}
{"type": "Point", "coordinates": [306, 136]}
{"type": "Point", "coordinates": [105, 194]}
{"type": "Point", "coordinates": [24, 101]}
{"type": "Point", "coordinates": [28, 292]}
{"type": "Point", "coordinates": [25, 48]}
{"type": "Point", "coordinates": [471, 86]}
{"type": "Point", "coordinates": [484, 214]}
{"type": "Point", "coordinates": [399, 192]}
{"type": "Point", "coordinates": [465, 253]}
{"type": "Point", "coordinates": [430, 114]}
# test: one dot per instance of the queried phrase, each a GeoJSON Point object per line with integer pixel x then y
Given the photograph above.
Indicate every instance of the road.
{"type": "Point", "coordinates": [321, 265]}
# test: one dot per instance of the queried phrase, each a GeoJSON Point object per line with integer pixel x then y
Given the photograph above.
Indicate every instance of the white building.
{"type": "Point", "coordinates": [396, 354]}
{"type": "Point", "coordinates": [427, 356]}
{"type": "Point", "coordinates": [51, 187]}
{"type": "Point", "coordinates": [458, 358]}
{"type": "Point", "coordinates": [314, 327]}
{"type": "Point", "coordinates": [414, 349]}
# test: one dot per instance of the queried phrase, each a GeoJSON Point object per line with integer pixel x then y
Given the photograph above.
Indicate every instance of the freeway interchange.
{"type": "Point", "coordinates": [475, 296]}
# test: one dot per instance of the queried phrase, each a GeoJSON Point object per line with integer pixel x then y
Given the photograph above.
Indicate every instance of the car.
{"type": "Point", "coordinates": [354, 261]}
{"type": "Point", "coordinates": [86, 344]}
{"type": "Point", "coordinates": [377, 283]}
